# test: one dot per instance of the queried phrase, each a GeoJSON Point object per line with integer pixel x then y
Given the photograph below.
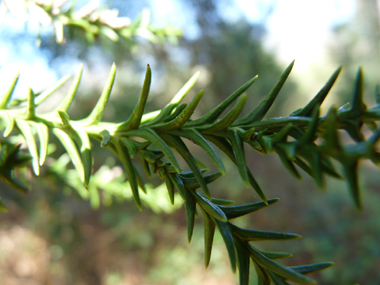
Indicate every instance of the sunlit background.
{"type": "Point", "coordinates": [52, 236]}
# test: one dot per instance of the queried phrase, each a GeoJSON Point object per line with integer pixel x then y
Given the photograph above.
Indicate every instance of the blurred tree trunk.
{"type": "Point", "coordinates": [357, 43]}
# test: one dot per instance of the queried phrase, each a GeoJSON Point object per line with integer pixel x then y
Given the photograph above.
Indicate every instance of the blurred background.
{"type": "Point", "coordinates": [54, 236]}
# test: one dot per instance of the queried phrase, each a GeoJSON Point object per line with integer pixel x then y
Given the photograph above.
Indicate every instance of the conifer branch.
{"type": "Point", "coordinates": [161, 135]}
